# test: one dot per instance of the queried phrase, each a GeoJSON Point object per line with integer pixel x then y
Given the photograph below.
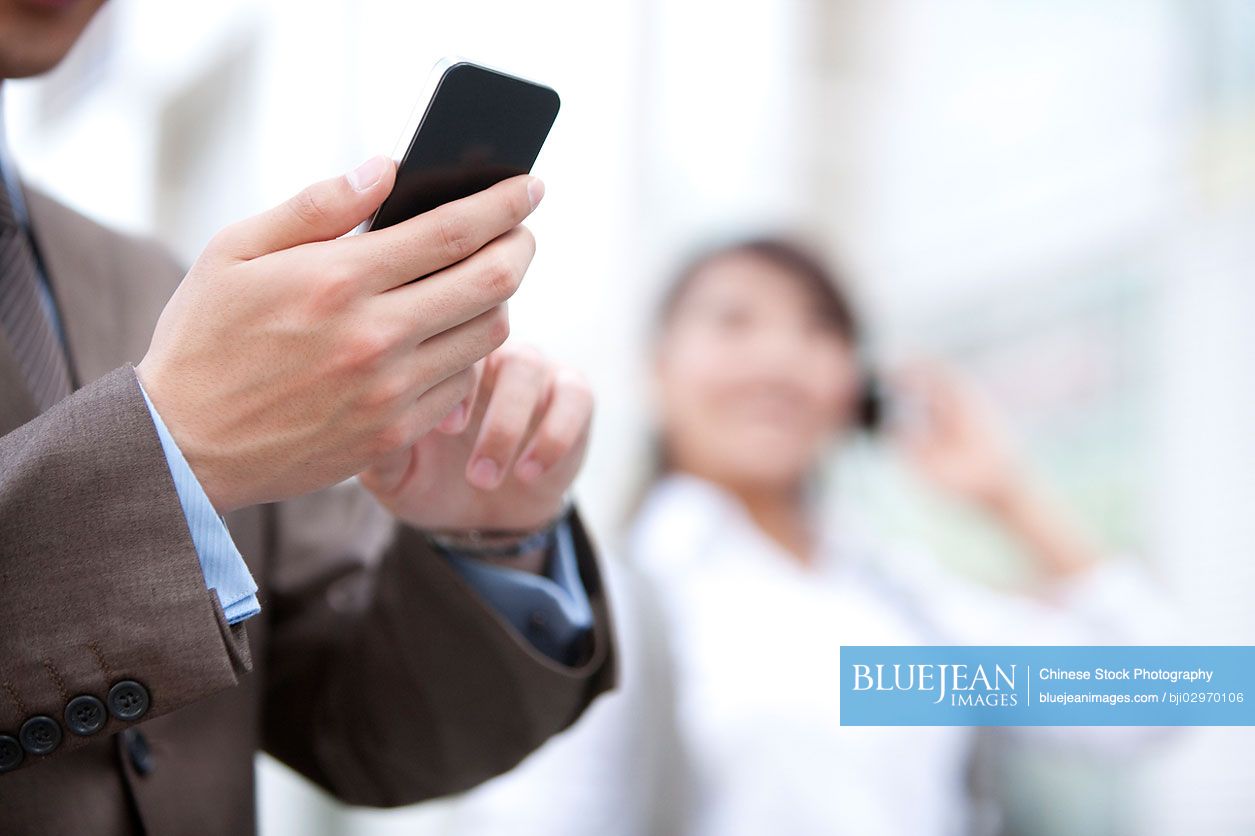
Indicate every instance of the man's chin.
{"type": "Point", "coordinates": [34, 39]}
{"type": "Point", "coordinates": [29, 66]}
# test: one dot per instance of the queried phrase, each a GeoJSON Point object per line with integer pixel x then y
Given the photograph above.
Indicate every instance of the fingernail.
{"type": "Point", "coordinates": [453, 421]}
{"type": "Point", "coordinates": [535, 191]}
{"type": "Point", "coordinates": [367, 174]}
{"type": "Point", "coordinates": [484, 472]}
{"type": "Point", "coordinates": [528, 470]}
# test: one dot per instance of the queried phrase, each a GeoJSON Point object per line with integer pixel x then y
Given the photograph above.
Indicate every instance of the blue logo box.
{"type": "Point", "coordinates": [1000, 685]}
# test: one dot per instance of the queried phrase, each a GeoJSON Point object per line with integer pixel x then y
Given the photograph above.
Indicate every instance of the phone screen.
{"type": "Point", "coordinates": [481, 126]}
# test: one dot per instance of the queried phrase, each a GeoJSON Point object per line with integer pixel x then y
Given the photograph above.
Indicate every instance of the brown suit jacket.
{"type": "Point", "coordinates": [373, 669]}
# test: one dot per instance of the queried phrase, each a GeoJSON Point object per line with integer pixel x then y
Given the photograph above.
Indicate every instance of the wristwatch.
{"type": "Point", "coordinates": [496, 543]}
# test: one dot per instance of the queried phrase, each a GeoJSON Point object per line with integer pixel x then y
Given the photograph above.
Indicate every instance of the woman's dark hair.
{"type": "Point", "coordinates": [811, 272]}
{"type": "Point", "coordinates": [815, 277]}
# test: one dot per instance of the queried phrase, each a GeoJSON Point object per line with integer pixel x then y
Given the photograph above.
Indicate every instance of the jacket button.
{"type": "Point", "coordinates": [10, 753]}
{"type": "Point", "coordinates": [40, 735]}
{"type": "Point", "coordinates": [128, 700]}
{"type": "Point", "coordinates": [85, 715]}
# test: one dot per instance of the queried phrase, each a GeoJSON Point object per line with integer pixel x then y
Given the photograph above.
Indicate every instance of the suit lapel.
{"type": "Point", "coordinates": [79, 260]}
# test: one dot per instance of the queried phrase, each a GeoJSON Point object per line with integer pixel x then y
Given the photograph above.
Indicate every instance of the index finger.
{"type": "Point", "coordinates": [398, 254]}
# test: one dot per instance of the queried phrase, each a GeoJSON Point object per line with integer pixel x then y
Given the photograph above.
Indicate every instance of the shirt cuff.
{"type": "Point", "coordinates": [223, 566]}
{"type": "Point", "coordinates": [551, 610]}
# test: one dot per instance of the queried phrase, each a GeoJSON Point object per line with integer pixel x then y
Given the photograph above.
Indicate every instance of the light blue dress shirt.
{"type": "Point", "coordinates": [224, 568]}
{"type": "Point", "coordinates": [552, 610]}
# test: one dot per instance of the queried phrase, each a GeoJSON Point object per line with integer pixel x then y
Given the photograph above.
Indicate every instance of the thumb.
{"type": "Point", "coordinates": [320, 212]}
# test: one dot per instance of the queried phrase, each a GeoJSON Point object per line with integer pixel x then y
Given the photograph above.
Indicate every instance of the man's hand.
{"type": "Point", "coordinates": [290, 359]}
{"type": "Point", "coordinates": [503, 459]}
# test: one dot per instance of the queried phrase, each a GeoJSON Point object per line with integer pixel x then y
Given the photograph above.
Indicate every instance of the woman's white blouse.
{"type": "Point", "coordinates": [742, 721]}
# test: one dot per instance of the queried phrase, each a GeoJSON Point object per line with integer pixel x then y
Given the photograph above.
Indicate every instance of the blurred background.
{"type": "Point", "coordinates": [1058, 197]}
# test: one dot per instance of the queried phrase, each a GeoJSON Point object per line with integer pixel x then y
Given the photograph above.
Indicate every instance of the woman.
{"type": "Point", "coordinates": [757, 370]}
{"type": "Point", "coordinates": [752, 589]}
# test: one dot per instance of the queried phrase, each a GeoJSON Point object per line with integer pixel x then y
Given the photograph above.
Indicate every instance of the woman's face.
{"type": "Point", "coordinates": [752, 381]}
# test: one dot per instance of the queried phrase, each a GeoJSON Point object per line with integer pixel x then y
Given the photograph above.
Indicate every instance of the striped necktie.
{"type": "Point", "coordinates": [24, 318]}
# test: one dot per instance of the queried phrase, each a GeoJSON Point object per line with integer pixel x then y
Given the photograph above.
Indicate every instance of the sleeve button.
{"type": "Point", "coordinates": [85, 715]}
{"type": "Point", "coordinates": [10, 753]}
{"type": "Point", "coordinates": [128, 700]}
{"type": "Point", "coordinates": [40, 735]}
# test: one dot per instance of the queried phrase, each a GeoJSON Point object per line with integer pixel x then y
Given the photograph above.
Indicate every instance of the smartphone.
{"type": "Point", "coordinates": [477, 127]}
{"type": "Point", "coordinates": [883, 409]}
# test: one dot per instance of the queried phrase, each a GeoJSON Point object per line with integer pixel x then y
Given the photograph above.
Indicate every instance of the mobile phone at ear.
{"type": "Point", "coordinates": [871, 403]}
{"type": "Point", "coordinates": [478, 127]}
{"type": "Point", "coordinates": [883, 409]}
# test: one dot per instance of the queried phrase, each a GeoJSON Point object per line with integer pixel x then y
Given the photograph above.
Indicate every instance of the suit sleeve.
{"type": "Point", "coordinates": [100, 583]}
{"type": "Point", "coordinates": [390, 680]}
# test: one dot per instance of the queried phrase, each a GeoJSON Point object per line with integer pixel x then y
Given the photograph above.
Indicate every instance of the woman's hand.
{"type": "Point", "coordinates": [504, 458]}
{"type": "Point", "coordinates": [960, 446]}
{"type": "Point", "coordinates": [957, 443]}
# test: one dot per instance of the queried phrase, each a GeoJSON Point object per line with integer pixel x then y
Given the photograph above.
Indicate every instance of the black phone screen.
{"type": "Point", "coordinates": [480, 127]}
